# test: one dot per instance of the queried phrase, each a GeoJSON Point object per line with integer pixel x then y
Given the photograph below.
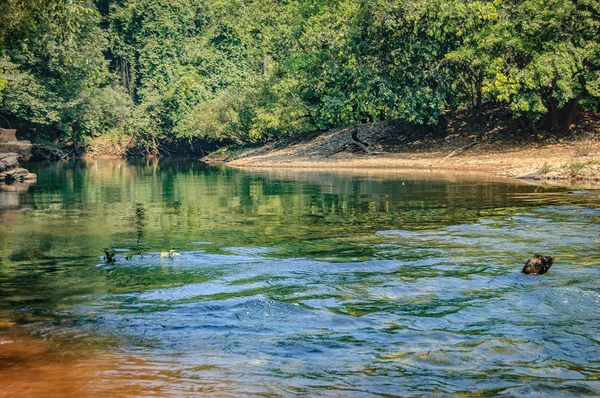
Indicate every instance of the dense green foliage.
{"type": "Point", "coordinates": [250, 70]}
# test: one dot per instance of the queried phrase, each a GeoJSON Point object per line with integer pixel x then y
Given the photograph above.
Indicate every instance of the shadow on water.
{"type": "Point", "coordinates": [293, 283]}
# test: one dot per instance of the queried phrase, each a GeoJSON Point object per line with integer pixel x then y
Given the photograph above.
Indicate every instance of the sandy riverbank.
{"type": "Point", "coordinates": [491, 143]}
{"type": "Point", "coordinates": [563, 162]}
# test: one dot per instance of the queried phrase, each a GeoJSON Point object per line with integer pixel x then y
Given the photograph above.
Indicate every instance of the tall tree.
{"type": "Point", "coordinates": [51, 58]}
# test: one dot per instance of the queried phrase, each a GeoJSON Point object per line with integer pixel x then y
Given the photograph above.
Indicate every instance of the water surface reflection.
{"type": "Point", "coordinates": [287, 283]}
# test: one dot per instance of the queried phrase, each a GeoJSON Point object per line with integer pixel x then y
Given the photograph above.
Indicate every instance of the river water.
{"type": "Point", "coordinates": [294, 283]}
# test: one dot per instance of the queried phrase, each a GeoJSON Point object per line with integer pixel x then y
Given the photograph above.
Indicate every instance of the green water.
{"type": "Point", "coordinates": [307, 283]}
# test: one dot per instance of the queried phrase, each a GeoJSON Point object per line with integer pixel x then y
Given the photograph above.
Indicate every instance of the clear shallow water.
{"type": "Point", "coordinates": [295, 284]}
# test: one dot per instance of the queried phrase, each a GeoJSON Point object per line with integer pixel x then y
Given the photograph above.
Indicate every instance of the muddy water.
{"type": "Point", "coordinates": [293, 284]}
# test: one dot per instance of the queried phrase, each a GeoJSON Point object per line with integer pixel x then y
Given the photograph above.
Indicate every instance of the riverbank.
{"type": "Point", "coordinates": [553, 162]}
{"type": "Point", "coordinates": [492, 143]}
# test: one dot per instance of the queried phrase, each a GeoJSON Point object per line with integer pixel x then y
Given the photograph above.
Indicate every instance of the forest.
{"type": "Point", "coordinates": [169, 74]}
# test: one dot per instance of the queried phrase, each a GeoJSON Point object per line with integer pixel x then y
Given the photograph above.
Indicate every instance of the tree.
{"type": "Point", "coordinates": [250, 71]}
{"type": "Point", "coordinates": [547, 59]}
{"type": "Point", "coordinates": [51, 54]}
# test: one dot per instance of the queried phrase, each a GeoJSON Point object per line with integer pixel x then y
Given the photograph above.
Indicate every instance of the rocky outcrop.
{"type": "Point", "coordinates": [21, 148]}
{"type": "Point", "coordinates": [11, 152]}
{"type": "Point", "coordinates": [10, 144]}
{"type": "Point", "coordinates": [8, 161]}
{"type": "Point", "coordinates": [7, 135]}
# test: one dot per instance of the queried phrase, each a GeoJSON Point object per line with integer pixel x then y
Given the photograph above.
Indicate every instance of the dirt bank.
{"type": "Point", "coordinates": [492, 143]}
{"type": "Point", "coordinates": [559, 161]}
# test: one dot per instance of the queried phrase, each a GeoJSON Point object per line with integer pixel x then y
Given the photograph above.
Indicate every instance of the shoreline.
{"type": "Point", "coordinates": [574, 164]}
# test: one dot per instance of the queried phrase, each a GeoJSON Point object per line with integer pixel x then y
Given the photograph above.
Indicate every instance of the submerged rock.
{"type": "Point", "coordinates": [583, 192]}
{"type": "Point", "coordinates": [15, 174]}
{"type": "Point", "coordinates": [532, 175]}
{"type": "Point", "coordinates": [110, 255]}
{"type": "Point", "coordinates": [538, 264]}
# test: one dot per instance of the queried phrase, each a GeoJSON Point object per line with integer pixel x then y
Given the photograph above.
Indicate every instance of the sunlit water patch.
{"type": "Point", "coordinates": [315, 286]}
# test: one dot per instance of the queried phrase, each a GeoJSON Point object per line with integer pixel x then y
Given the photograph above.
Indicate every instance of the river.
{"type": "Point", "coordinates": [293, 283]}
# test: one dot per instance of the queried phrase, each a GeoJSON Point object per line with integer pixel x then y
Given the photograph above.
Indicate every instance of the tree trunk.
{"type": "Point", "coordinates": [569, 112]}
{"type": "Point", "coordinates": [358, 142]}
{"type": "Point", "coordinates": [468, 87]}
{"type": "Point", "coordinates": [552, 121]}
{"type": "Point", "coordinates": [560, 119]}
{"type": "Point", "coordinates": [532, 127]}
{"type": "Point", "coordinates": [480, 92]}
{"type": "Point", "coordinates": [442, 123]}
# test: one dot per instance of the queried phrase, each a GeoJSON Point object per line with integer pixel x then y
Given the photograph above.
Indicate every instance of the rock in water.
{"type": "Point", "coordinates": [538, 264]}
{"type": "Point", "coordinates": [8, 161]}
{"type": "Point", "coordinates": [110, 255]}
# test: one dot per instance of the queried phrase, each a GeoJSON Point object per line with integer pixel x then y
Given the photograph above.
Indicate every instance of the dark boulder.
{"type": "Point", "coordinates": [538, 264]}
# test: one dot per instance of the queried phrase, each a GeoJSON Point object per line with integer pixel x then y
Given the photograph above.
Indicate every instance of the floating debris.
{"type": "Point", "coordinates": [109, 255]}
{"type": "Point", "coordinates": [538, 264]}
{"type": "Point", "coordinates": [169, 254]}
